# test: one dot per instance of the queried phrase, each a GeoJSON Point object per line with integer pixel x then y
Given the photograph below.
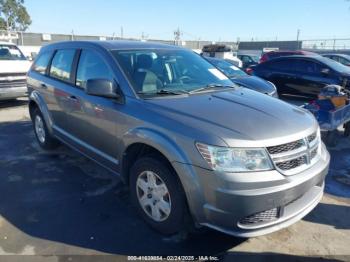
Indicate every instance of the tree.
{"type": "Point", "coordinates": [14, 15]}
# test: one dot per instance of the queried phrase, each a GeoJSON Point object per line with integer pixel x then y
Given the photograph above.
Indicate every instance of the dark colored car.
{"type": "Point", "coordinates": [340, 58]}
{"type": "Point", "coordinates": [275, 54]}
{"type": "Point", "coordinates": [303, 75]}
{"type": "Point", "coordinates": [239, 77]}
{"type": "Point", "coordinates": [248, 60]}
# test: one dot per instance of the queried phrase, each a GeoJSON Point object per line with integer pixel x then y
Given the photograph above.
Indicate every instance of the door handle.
{"type": "Point", "coordinates": [73, 98]}
{"type": "Point", "coordinates": [43, 86]}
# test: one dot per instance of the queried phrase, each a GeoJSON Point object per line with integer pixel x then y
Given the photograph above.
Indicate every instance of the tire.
{"type": "Point", "coordinates": [169, 222]}
{"type": "Point", "coordinates": [347, 129]}
{"type": "Point", "coordinates": [43, 136]}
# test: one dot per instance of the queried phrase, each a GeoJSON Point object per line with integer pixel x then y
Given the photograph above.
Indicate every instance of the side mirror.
{"type": "Point", "coordinates": [325, 71]}
{"type": "Point", "coordinates": [101, 87]}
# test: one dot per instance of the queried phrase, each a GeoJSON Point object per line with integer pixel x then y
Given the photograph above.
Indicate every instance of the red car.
{"type": "Point", "coordinates": [274, 54]}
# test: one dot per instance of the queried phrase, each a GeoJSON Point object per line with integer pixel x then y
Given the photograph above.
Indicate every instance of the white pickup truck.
{"type": "Point", "coordinates": [223, 52]}
{"type": "Point", "coordinates": [13, 70]}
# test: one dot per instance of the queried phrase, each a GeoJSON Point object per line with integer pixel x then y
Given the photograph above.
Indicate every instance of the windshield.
{"type": "Point", "coordinates": [10, 52]}
{"type": "Point", "coordinates": [346, 57]}
{"type": "Point", "coordinates": [335, 65]}
{"type": "Point", "coordinates": [151, 71]}
{"type": "Point", "coordinates": [227, 68]}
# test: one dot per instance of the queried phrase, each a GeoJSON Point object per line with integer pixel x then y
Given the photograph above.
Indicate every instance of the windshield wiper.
{"type": "Point", "coordinates": [210, 86]}
{"type": "Point", "coordinates": [164, 92]}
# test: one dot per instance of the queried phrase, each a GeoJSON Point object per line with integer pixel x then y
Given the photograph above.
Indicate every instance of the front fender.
{"type": "Point", "coordinates": [178, 159]}
{"type": "Point", "coordinates": [157, 140]}
{"type": "Point", "coordinates": [37, 98]}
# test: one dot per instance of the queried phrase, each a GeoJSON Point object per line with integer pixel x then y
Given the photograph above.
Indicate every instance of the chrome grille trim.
{"type": "Point", "coordinates": [302, 154]}
{"type": "Point", "coordinates": [312, 137]}
{"type": "Point", "coordinates": [285, 147]}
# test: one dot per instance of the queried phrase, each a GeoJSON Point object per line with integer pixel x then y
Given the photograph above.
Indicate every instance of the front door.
{"type": "Point", "coordinates": [94, 119]}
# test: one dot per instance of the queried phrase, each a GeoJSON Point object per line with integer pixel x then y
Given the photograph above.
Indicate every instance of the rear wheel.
{"type": "Point", "coordinates": [158, 195]}
{"type": "Point", "coordinates": [44, 138]}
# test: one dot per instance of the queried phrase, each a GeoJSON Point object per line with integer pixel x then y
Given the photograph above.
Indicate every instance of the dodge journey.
{"type": "Point", "coordinates": [192, 147]}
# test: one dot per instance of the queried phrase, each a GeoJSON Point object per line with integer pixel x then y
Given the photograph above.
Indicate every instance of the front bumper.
{"type": "Point", "coordinates": [13, 92]}
{"type": "Point", "coordinates": [222, 201]}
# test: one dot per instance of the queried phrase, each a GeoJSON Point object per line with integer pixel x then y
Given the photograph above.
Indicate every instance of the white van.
{"type": "Point", "coordinates": [13, 70]}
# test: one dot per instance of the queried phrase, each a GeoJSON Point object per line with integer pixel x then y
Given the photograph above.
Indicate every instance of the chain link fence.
{"type": "Point", "coordinates": [318, 45]}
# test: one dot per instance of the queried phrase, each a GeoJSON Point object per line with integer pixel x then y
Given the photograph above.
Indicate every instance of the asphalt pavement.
{"type": "Point", "coordinates": [62, 206]}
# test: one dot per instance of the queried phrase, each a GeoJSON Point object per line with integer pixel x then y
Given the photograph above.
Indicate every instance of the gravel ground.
{"type": "Point", "coordinates": [60, 206]}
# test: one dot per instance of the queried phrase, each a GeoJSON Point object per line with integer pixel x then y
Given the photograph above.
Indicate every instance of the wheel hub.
{"type": "Point", "coordinates": [39, 128]}
{"type": "Point", "coordinates": [153, 196]}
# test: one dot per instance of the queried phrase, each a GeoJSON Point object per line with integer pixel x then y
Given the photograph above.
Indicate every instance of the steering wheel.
{"type": "Point", "coordinates": [185, 79]}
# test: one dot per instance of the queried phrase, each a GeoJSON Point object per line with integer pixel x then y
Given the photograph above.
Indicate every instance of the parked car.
{"type": "Point", "coordinates": [248, 60]}
{"type": "Point", "coordinates": [303, 75]}
{"type": "Point", "coordinates": [184, 139]}
{"type": "Point", "coordinates": [275, 54]}
{"type": "Point", "coordinates": [13, 70]}
{"type": "Point", "coordinates": [223, 52]}
{"type": "Point", "coordinates": [340, 58]}
{"type": "Point", "coordinates": [239, 77]}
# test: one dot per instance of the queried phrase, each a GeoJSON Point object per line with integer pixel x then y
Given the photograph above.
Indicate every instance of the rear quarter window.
{"type": "Point", "coordinates": [41, 63]}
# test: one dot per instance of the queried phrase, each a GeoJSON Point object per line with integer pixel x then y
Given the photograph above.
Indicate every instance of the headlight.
{"type": "Point", "coordinates": [235, 159]}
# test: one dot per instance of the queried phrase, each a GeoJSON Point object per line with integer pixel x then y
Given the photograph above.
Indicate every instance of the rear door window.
{"type": "Point", "coordinates": [62, 63]}
{"type": "Point", "coordinates": [41, 63]}
{"type": "Point", "coordinates": [309, 67]}
{"type": "Point", "coordinates": [91, 66]}
{"type": "Point", "coordinates": [284, 65]}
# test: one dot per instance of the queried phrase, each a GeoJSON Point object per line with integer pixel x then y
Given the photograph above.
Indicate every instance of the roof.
{"type": "Point", "coordinates": [335, 54]}
{"type": "Point", "coordinates": [319, 58]}
{"type": "Point", "coordinates": [109, 45]}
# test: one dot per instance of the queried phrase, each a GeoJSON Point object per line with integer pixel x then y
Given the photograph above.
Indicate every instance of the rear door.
{"type": "Point", "coordinates": [37, 76]}
{"type": "Point", "coordinates": [310, 77]}
{"type": "Point", "coordinates": [281, 72]}
{"type": "Point", "coordinates": [59, 86]}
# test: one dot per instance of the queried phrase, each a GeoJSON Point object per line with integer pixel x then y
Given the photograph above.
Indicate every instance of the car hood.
{"type": "Point", "coordinates": [241, 117]}
{"type": "Point", "coordinates": [14, 66]}
{"type": "Point", "coordinates": [255, 83]}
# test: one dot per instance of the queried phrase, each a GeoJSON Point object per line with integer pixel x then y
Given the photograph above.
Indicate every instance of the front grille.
{"type": "Point", "coordinates": [285, 147]}
{"type": "Point", "coordinates": [9, 80]}
{"type": "Point", "coordinates": [9, 84]}
{"type": "Point", "coordinates": [261, 217]}
{"type": "Point", "coordinates": [12, 74]}
{"type": "Point", "coordinates": [287, 165]}
{"type": "Point", "coordinates": [292, 157]}
{"type": "Point", "coordinates": [312, 137]}
{"type": "Point", "coordinates": [313, 153]}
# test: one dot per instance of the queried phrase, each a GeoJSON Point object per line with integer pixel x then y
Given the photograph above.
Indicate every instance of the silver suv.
{"type": "Point", "coordinates": [187, 141]}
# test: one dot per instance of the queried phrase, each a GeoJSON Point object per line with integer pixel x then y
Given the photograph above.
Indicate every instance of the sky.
{"type": "Point", "coordinates": [223, 20]}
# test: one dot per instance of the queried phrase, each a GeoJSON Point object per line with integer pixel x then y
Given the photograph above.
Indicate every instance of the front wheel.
{"type": "Point", "coordinates": [158, 195]}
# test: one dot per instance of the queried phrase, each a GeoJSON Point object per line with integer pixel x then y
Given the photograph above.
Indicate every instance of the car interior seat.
{"type": "Point", "coordinates": [145, 79]}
